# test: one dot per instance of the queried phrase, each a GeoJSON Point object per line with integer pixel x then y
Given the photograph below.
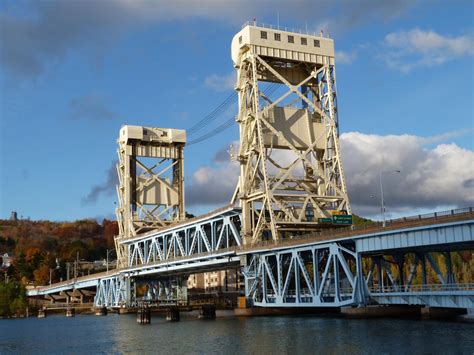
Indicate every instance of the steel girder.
{"type": "Point", "coordinates": [325, 275]}
{"type": "Point", "coordinates": [207, 236]}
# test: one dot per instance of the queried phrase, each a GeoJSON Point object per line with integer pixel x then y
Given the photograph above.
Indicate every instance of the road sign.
{"type": "Point", "coordinates": [345, 219]}
{"type": "Point", "coordinates": [325, 220]}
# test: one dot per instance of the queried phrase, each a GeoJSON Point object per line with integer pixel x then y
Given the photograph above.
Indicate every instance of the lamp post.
{"type": "Point", "coordinates": [108, 251]}
{"type": "Point", "coordinates": [382, 201]}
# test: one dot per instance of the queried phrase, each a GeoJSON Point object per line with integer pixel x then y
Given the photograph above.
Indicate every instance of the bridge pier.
{"type": "Point", "coordinates": [41, 313]}
{"type": "Point", "coordinates": [441, 312]}
{"type": "Point", "coordinates": [172, 314]}
{"type": "Point", "coordinates": [143, 315]}
{"type": "Point", "coordinates": [207, 312]}
{"type": "Point", "coordinates": [70, 312]}
{"type": "Point", "coordinates": [100, 311]}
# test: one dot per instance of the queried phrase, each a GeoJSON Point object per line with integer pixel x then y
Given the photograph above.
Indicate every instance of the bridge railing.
{"type": "Point", "coordinates": [392, 224]}
{"type": "Point", "coordinates": [423, 288]}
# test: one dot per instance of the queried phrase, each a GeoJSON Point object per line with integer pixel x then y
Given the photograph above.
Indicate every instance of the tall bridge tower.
{"type": "Point", "coordinates": [151, 181]}
{"type": "Point", "coordinates": [291, 176]}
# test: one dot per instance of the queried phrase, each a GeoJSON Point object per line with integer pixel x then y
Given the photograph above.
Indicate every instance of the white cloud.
{"type": "Point", "coordinates": [431, 178]}
{"type": "Point", "coordinates": [221, 82]}
{"type": "Point", "coordinates": [406, 50]}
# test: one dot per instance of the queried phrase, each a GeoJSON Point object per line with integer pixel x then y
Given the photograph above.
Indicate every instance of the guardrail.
{"type": "Point", "coordinates": [278, 28]}
{"type": "Point", "coordinates": [369, 227]}
{"type": "Point", "coordinates": [423, 288]}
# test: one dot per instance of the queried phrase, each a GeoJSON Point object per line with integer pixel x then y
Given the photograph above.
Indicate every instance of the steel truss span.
{"type": "Point", "coordinates": [325, 275]}
{"type": "Point", "coordinates": [113, 291]}
{"type": "Point", "coordinates": [216, 233]}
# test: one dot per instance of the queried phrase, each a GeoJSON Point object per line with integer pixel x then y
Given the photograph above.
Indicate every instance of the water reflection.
{"type": "Point", "coordinates": [229, 335]}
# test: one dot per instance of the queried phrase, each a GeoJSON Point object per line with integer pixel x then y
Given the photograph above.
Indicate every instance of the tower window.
{"type": "Point", "coordinates": [240, 40]}
{"type": "Point", "coordinates": [277, 37]}
{"type": "Point", "coordinates": [317, 43]}
{"type": "Point", "coordinates": [291, 39]}
{"type": "Point", "coordinates": [304, 41]}
{"type": "Point", "coordinates": [263, 34]}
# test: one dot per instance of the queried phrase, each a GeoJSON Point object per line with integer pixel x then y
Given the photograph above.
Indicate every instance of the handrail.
{"type": "Point", "coordinates": [422, 288]}
{"type": "Point", "coordinates": [278, 28]}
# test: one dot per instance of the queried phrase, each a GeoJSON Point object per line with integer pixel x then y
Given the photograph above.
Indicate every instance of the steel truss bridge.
{"type": "Point", "coordinates": [291, 182]}
{"type": "Point", "coordinates": [350, 267]}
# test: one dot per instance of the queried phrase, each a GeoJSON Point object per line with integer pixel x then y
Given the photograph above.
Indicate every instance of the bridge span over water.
{"type": "Point", "coordinates": [371, 264]}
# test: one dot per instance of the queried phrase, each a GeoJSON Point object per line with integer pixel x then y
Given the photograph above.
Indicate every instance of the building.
{"type": "Point", "coordinates": [223, 280]}
{"type": "Point", "coordinates": [6, 260]}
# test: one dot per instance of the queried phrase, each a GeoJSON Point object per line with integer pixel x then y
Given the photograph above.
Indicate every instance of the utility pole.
{"type": "Point", "coordinates": [382, 201]}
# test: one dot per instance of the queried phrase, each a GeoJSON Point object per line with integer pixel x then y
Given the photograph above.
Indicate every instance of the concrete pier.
{"type": "Point", "coordinates": [377, 311]}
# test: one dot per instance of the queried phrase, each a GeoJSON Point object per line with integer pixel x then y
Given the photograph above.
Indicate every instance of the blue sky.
{"type": "Point", "coordinates": [73, 72]}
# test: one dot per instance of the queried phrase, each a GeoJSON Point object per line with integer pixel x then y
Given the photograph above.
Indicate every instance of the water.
{"type": "Point", "coordinates": [229, 335]}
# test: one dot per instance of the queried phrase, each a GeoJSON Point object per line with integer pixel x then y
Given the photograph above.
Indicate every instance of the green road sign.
{"type": "Point", "coordinates": [342, 219]}
{"type": "Point", "coordinates": [325, 220]}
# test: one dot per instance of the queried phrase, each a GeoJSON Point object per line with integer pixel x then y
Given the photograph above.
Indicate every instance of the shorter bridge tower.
{"type": "Point", "coordinates": [151, 181]}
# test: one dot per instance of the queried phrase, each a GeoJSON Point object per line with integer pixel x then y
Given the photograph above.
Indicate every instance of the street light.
{"type": "Point", "coordinates": [108, 250]}
{"type": "Point", "coordinates": [381, 192]}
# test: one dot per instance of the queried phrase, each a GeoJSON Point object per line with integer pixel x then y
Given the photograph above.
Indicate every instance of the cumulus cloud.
{"type": "Point", "coordinates": [93, 106]}
{"type": "Point", "coordinates": [430, 177]}
{"type": "Point", "coordinates": [406, 50]}
{"type": "Point", "coordinates": [214, 184]}
{"type": "Point", "coordinates": [221, 82]}
{"type": "Point", "coordinates": [49, 30]}
{"type": "Point", "coordinates": [433, 174]}
{"type": "Point", "coordinates": [106, 188]}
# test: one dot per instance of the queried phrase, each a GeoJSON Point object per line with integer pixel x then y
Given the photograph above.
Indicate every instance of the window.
{"type": "Point", "coordinates": [317, 43]}
{"type": "Point", "coordinates": [291, 39]}
{"type": "Point", "coordinates": [277, 37]}
{"type": "Point", "coordinates": [263, 34]}
{"type": "Point", "coordinates": [304, 41]}
{"type": "Point", "coordinates": [240, 40]}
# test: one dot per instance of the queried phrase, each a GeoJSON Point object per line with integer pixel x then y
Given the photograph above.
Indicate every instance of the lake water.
{"type": "Point", "coordinates": [230, 335]}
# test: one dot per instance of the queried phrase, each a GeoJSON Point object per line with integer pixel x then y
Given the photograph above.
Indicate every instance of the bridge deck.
{"type": "Point", "coordinates": [369, 230]}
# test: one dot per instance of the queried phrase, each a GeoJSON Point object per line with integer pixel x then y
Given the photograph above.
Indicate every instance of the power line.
{"type": "Point", "coordinates": [213, 115]}
{"type": "Point", "coordinates": [270, 89]}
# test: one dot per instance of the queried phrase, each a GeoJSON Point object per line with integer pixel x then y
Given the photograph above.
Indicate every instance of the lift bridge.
{"type": "Point", "coordinates": [288, 226]}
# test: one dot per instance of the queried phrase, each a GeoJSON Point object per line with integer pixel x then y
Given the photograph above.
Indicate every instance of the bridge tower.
{"type": "Point", "coordinates": [291, 175]}
{"type": "Point", "coordinates": [151, 181]}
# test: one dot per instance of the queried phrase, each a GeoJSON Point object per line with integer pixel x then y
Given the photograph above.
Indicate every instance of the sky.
{"type": "Point", "coordinates": [73, 72]}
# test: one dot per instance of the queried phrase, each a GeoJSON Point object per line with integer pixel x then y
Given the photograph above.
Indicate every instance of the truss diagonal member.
{"type": "Point", "coordinates": [288, 276]}
{"type": "Point", "coordinates": [305, 273]}
{"type": "Point", "coordinates": [345, 267]}
{"type": "Point", "coordinates": [270, 276]}
{"type": "Point", "coordinates": [324, 278]}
